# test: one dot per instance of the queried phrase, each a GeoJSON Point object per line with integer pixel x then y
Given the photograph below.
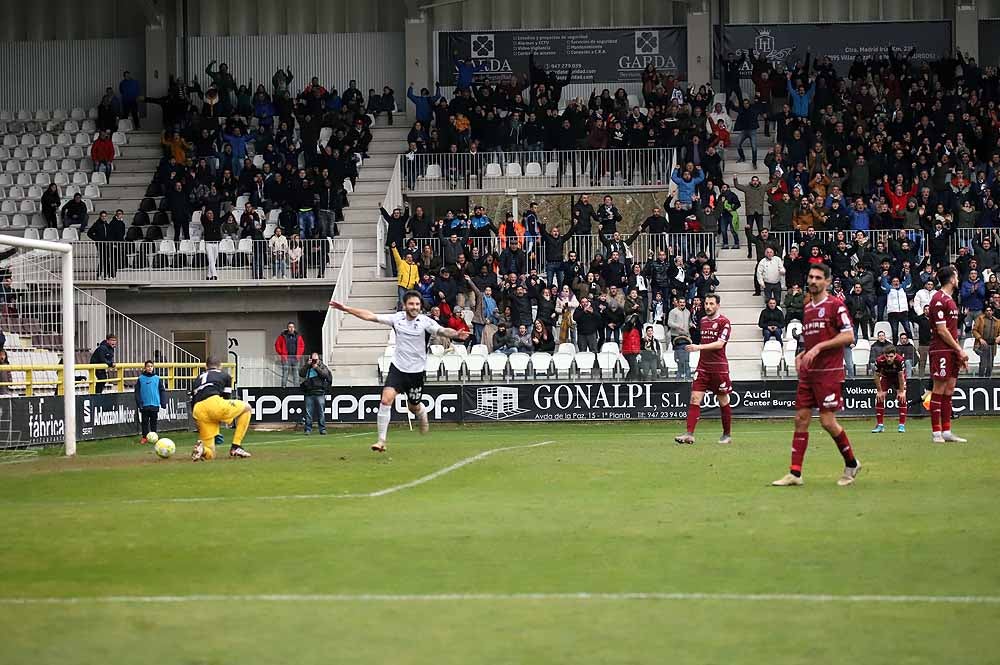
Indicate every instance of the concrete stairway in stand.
{"type": "Point", "coordinates": [359, 344]}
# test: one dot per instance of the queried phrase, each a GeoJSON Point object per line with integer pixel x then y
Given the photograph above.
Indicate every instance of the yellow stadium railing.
{"type": "Point", "coordinates": [48, 378]}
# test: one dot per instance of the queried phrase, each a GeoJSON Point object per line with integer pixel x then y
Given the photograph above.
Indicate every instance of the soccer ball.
{"type": "Point", "coordinates": [165, 448]}
{"type": "Point", "coordinates": [152, 437]}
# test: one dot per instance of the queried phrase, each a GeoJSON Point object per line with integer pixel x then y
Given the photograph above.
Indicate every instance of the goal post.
{"type": "Point", "coordinates": [65, 250]}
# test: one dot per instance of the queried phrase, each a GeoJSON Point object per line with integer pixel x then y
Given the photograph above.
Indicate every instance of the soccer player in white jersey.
{"type": "Point", "coordinates": [406, 374]}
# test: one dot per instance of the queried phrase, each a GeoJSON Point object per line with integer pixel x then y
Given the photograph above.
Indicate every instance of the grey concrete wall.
{"type": "Point", "coordinates": [166, 311]}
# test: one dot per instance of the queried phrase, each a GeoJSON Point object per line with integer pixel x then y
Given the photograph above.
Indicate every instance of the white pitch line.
{"type": "Point", "coordinates": [509, 597]}
{"type": "Point", "coordinates": [365, 495]}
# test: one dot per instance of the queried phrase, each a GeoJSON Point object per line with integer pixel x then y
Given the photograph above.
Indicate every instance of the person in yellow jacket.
{"type": "Point", "coordinates": [409, 272]}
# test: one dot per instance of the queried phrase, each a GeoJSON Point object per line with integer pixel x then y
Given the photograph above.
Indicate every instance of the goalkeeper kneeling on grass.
{"type": "Point", "coordinates": [213, 406]}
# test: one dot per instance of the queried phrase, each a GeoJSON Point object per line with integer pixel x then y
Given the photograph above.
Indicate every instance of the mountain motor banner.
{"type": "Point", "coordinates": [841, 42]}
{"type": "Point", "coordinates": [592, 55]}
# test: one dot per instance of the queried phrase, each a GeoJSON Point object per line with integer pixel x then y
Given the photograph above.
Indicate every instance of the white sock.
{"type": "Point", "coordinates": [383, 418]}
{"type": "Point", "coordinates": [421, 413]}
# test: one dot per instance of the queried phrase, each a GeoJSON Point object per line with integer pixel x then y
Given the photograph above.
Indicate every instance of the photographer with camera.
{"type": "Point", "coordinates": [316, 381]}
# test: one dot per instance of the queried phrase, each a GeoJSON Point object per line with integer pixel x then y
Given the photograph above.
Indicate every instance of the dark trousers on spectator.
{"type": "Point", "coordinates": [587, 342]}
{"type": "Point", "coordinates": [102, 381]}
{"type": "Point", "coordinates": [987, 353]}
{"type": "Point", "coordinates": [772, 290]}
{"type": "Point", "coordinates": [182, 229]}
{"type": "Point", "coordinates": [552, 270]}
{"type": "Point", "coordinates": [131, 109]}
{"type": "Point", "coordinates": [895, 320]}
{"type": "Point", "coordinates": [775, 334]}
{"type": "Point", "coordinates": [315, 411]}
{"type": "Point", "coordinates": [106, 259]}
{"type": "Point", "coordinates": [147, 419]}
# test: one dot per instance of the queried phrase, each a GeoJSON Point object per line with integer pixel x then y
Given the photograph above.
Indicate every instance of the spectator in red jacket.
{"type": "Point", "coordinates": [632, 344]}
{"type": "Point", "coordinates": [103, 153]}
{"type": "Point", "coordinates": [290, 348]}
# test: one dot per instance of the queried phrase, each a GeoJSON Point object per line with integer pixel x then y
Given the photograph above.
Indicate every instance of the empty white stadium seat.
{"type": "Point", "coordinates": [91, 191]}
{"type": "Point", "coordinates": [59, 114]}
{"type": "Point", "coordinates": [118, 138]}
{"type": "Point", "coordinates": [125, 125]}
{"type": "Point", "coordinates": [82, 139]}
{"type": "Point", "coordinates": [433, 171]}
{"type": "Point", "coordinates": [770, 361]}
{"type": "Point", "coordinates": [585, 362]}
{"type": "Point", "coordinates": [80, 178]}
{"type": "Point", "coordinates": [65, 138]}
{"type": "Point", "coordinates": [38, 152]}
{"type": "Point", "coordinates": [34, 192]}
{"type": "Point", "coordinates": [27, 206]}
{"type": "Point", "coordinates": [437, 350]}
{"type": "Point", "coordinates": [452, 366]}
{"type": "Point", "coordinates": [67, 165]}
{"type": "Point", "coordinates": [60, 179]}
{"type": "Point", "coordinates": [19, 221]}
{"type": "Point", "coordinates": [88, 126]}
{"type": "Point", "coordinates": [607, 362]}
{"type": "Point", "coordinates": [50, 234]}
{"type": "Point", "coordinates": [28, 140]}
{"type": "Point", "coordinates": [432, 367]}
{"type": "Point", "coordinates": [475, 363]}
{"type": "Point", "coordinates": [98, 178]}
{"type": "Point", "coordinates": [518, 363]}
{"type": "Point", "coordinates": [479, 350]}
{"type": "Point", "coordinates": [493, 170]}
{"type": "Point", "coordinates": [57, 152]}
{"type": "Point", "coordinates": [533, 170]}
{"type": "Point", "coordinates": [514, 170]}
{"type": "Point", "coordinates": [562, 363]}
{"type": "Point", "coordinates": [46, 140]}
{"type": "Point", "coordinates": [8, 206]}
{"type": "Point", "coordinates": [551, 169]}
{"type": "Point", "coordinates": [541, 363]}
{"type": "Point", "coordinates": [31, 234]}
{"type": "Point", "coordinates": [70, 234]}
{"type": "Point", "coordinates": [609, 347]}
{"type": "Point", "coordinates": [496, 365]}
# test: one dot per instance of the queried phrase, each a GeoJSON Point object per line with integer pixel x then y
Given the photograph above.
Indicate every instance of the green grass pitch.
{"type": "Point", "coordinates": [267, 561]}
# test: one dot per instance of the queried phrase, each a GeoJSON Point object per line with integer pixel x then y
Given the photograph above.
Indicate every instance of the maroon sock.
{"type": "Point", "coordinates": [800, 441]}
{"type": "Point", "coordinates": [694, 413]}
{"type": "Point", "coordinates": [945, 413]}
{"type": "Point", "coordinates": [936, 413]}
{"type": "Point", "coordinates": [844, 445]}
{"type": "Point", "coordinates": [727, 419]}
{"type": "Point", "coordinates": [880, 411]}
{"type": "Point", "coordinates": [902, 412]}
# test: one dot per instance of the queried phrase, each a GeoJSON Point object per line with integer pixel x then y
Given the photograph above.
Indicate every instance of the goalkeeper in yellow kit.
{"type": "Point", "coordinates": [212, 406]}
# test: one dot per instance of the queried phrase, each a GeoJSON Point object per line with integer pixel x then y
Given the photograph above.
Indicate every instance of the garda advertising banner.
{"type": "Point", "coordinates": [841, 42]}
{"type": "Point", "coordinates": [596, 401]}
{"type": "Point", "coordinates": [31, 421]}
{"type": "Point", "coordinates": [593, 55]}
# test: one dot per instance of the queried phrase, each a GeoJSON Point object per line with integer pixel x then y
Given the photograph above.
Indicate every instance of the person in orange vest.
{"type": "Point", "coordinates": [510, 229]}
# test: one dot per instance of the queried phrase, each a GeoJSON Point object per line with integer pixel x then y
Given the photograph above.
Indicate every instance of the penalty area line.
{"type": "Point", "coordinates": [363, 495]}
{"type": "Point", "coordinates": [508, 597]}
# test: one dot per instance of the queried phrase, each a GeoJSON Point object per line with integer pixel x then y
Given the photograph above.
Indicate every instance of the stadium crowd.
{"type": "Point", "coordinates": [281, 152]}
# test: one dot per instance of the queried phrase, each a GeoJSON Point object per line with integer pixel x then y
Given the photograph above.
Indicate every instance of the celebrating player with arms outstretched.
{"type": "Point", "coordinates": [406, 374]}
{"type": "Point", "coordinates": [890, 374]}
{"type": "Point", "coordinates": [945, 354]}
{"type": "Point", "coordinates": [826, 330]}
{"type": "Point", "coordinates": [712, 372]}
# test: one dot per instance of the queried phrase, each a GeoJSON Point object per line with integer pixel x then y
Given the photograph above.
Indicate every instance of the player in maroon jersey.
{"type": "Point", "coordinates": [945, 354]}
{"type": "Point", "coordinates": [713, 370]}
{"type": "Point", "coordinates": [826, 330]}
{"type": "Point", "coordinates": [890, 374]}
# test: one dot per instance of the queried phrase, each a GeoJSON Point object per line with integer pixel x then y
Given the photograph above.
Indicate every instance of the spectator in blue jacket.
{"type": "Point", "coordinates": [424, 103]}
{"type": "Point", "coordinates": [129, 91]}
{"type": "Point", "coordinates": [687, 183]}
{"type": "Point", "coordinates": [466, 70]}
{"type": "Point", "coordinates": [800, 98]}
{"type": "Point", "coordinates": [861, 216]}
{"type": "Point", "coordinates": [239, 141]}
{"type": "Point", "coordinates": [150, 397]}
{"type": "Point", "coordinates": [972, 297]}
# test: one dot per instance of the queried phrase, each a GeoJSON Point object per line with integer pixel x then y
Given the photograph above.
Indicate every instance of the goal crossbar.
{"type": "Point", "coordinates": [69, 328]}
